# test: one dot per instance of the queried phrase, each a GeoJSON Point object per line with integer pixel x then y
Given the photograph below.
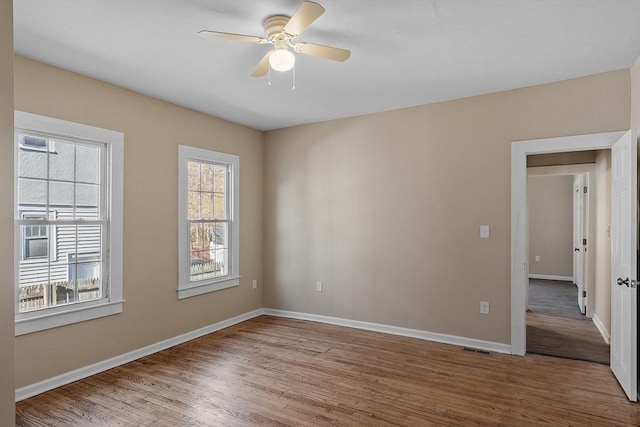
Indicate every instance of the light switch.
{"type": "Point", "coordinates": [484, 231]}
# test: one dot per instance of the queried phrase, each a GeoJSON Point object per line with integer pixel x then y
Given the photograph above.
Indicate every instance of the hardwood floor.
{"type": "Point", "coordinates": [276, 371]}
{"type": "Point", "coordinates": [555, 326]}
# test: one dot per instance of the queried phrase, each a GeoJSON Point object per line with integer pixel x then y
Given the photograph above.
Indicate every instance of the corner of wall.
{"type": "Point", "coordinates": [7, 381]}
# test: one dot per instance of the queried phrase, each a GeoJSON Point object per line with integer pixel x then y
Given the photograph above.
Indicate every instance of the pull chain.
{"type": "Point", "coordinates": [293, 79]}
{"type": "Point", "coordinates": [269, 77]}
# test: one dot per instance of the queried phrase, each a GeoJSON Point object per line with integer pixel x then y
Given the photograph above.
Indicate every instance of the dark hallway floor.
{"type": "Point", "coordinates": [556, 327]}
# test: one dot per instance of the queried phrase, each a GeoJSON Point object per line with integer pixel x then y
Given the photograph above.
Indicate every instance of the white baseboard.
{"type": "Point", "coordinates": [395, 330]}
{"type": "Point", "coordinates": [601, 328]}
{"type": "Point", "coordinates": [84, 372]}
{"type": "Point", "coordinates": [551, 277]}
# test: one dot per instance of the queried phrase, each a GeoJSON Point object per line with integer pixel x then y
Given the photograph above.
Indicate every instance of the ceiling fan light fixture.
{"type": "Point", "coordinates": [282, 60]}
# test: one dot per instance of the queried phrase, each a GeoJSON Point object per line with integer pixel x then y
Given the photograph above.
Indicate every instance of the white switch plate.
{"type": "Point", "coordinates": [484, 231]}
{"type": "Point", "coordinates": [537, 257]}
{"type": "Point", "coordinates": [484, 307]}
{"type": "Point", "coordinates": [319, 286]}
{"type": "Point", "coordinates": [254, 284]}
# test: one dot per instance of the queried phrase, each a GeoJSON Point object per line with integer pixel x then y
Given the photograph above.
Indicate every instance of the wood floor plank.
{"type": "Point", "coordinates": [276, 371]}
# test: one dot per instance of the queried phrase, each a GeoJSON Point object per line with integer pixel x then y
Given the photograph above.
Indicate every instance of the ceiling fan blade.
{"type": "Point", "coordinates": [263, 66]}
{"type": "Point", "coordinates": [230, 36]}
{"type": "Point", "coordinates": [328, 52]}
{"type": "Point", "coordinates": [307, 13]}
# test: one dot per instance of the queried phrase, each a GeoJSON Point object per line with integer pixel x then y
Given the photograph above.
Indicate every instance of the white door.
{"type": "Point", "coordinates": [578, 235]}
{"type": "Point", "coordinates": [624, 229]}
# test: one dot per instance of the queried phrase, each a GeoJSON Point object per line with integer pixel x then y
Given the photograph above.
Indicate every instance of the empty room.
{"type": "Point", "coordinates": [288, 212]}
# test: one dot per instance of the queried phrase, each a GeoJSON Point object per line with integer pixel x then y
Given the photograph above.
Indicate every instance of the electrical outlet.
{"type": "Point", "coordinates": [537, 257]}
{"type": "Point", "coordinates": [254, 284]}
{"type": "Point", "coordinates": [484, 231]}
{"type": "Point", "coordinates": [319, 286]}
{"type": "Point", "coordinates": [484, 307]}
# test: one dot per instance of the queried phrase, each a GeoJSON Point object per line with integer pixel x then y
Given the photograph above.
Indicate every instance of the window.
{"type": "Point", "coordinates": [36, 143]}
{"type": "Point", "coordinates": [69, 219]}
{"type": "Point", "coordinates": [35, 238]}
{"type": "Point", "coordinates": [208, 221]}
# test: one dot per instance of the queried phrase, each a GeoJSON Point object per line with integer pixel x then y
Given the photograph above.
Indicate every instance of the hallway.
{"type": "Point", "coordinates": [555, 326]}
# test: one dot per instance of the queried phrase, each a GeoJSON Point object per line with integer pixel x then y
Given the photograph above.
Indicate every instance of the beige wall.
{"type": "Point", "coordinates": [635, 95]}
{"type": "Point", "coordinates": [385, 209]}
{"type": "Point", "coordinates": [7, 393]}
{"type": "Point", "coordinates": [603, 239]}
{"type": "Point", "coordinates": [550, 205]}
{"type": "Point", "coordinates": [153, 130]}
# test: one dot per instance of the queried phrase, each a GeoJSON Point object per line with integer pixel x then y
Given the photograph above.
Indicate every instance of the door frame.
{"type": "Point", "coordinates": [579, 260]}
{"type": "Point", "coordinates": [519, 222]}
{"type": "Point", "coordinates": [589, 171]}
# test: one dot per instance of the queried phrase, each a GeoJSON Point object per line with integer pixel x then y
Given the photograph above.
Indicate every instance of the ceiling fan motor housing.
{"type": "Point", "coordinates": [274, 26]}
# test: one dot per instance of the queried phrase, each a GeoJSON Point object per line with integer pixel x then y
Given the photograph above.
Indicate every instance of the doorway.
{"type": "Point", "coordinates": [562, 214]}
{"type": "Point", "coordinates": [623, 285]}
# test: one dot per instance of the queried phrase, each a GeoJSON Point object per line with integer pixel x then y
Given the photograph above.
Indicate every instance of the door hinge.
{"type": "Point", "coordinates": [585, 190]}
{"type": "Point", "coordinates": [584, 294]}
{"type": "Point", "coordinates": [584, 241]}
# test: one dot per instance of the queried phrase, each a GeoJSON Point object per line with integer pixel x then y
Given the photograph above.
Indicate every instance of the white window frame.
{"type": "Point", "coordinates": [53, 317]}
{"type": "Point", "coordinates": [186, 288]}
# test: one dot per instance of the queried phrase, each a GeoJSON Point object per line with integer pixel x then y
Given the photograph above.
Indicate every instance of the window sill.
{"type": "Point", "coordinates": [199, 289]}
{"type": "Point", "coordinates": [34, 323]}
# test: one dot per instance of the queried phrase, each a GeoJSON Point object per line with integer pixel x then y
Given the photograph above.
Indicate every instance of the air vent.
{"type": "Point", "coordinates": [476, 350]}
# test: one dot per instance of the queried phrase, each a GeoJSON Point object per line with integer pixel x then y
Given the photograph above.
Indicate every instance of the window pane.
{"type": "Point", "coordinates": [207, 176]}
{"type": "Point", "coordinates": [32, 164]}
{"type": "Point", "coordinates": [33, 291]}
{"type": "Point", "coordinates": [208, 251]}
{"type": "Point", "coordinates": [220, 179]}
{"type": "Point", "coordinates": [31, 193]}
{"type": "Point", "coordinates": [89, 281]}
{"type": "Point", "coordinates": [193, 237]}
{"type": "Point", "coordinates": [36, 248]}
{"type": "Point", "coordinates": [88, 164]}
{"type": "Point", "coordinates": [194, 176]}
{"type": "Point", "coordinates": [88, 239]}
{"type": "Point", "coordinates": [220, 207]}
{"type": "Point", "coordinates": [61, 162]}
{"type": "Point", "coordinates": [207, 206]}
{"type": "Point", "coordinates": [87, 201]}
{"type": "Point", "coordinates": [193, 206]}
{"type": "Point", "coordinates": [85, 276]}
{"type": "Point", "coordinates": [219, 248]}
{"type": "Point", "coordinates": [61, 195]}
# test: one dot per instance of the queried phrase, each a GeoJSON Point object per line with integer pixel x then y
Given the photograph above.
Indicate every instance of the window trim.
{"type": "Point", "coordinates": [185, 287]}
{"type": "Point", "coordinates": [53, 317]}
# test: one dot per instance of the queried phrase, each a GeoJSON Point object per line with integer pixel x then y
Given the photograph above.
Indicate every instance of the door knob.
{"type": "Point", "coordinates": [576, 249]}
{"type": "Point", "coordinates": [623, 282]}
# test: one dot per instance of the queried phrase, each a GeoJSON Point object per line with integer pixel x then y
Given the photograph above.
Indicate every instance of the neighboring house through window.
{"type": "Point", "coordinates": [208, 221]}
{"type": "Point", "coordinates": [35, 239]}
{"type": "Point", "coordinates": [69, 219]}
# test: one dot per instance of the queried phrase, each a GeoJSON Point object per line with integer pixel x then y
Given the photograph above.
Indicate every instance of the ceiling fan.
{"type": "Point", "coordinates": [280, 31]}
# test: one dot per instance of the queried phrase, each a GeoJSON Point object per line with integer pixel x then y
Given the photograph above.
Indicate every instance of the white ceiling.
{"type": "Point", "coordinates": [404, 52]}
